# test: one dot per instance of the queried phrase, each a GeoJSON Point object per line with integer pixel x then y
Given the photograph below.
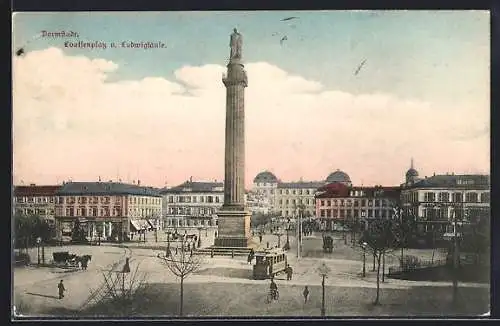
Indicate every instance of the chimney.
{"type": "Point", "coordinates": [138, 182]}
{"type": "Point", "coordinates": [191, 179]}
{"type": "Point", "coordinates": [99, 178]}
{"type": "Point", "coordinates": [32, 184]}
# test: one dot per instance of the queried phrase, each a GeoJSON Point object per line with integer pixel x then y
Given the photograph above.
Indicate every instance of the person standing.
{"type": "Point", "coordinates": [306, 294]}
{"type": "Point", "coordinates": [61, 288]}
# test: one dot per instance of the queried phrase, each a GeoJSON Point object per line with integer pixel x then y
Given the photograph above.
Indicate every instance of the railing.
{"type": "Point", "coordinates": [417, 266]}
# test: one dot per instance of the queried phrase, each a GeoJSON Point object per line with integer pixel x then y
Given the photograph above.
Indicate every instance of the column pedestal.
{"type": "Point", "coordinates": [234, 229]}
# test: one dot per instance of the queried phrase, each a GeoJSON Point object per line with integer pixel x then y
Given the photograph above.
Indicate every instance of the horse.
{"type": "Point", "coordinates": [84, 260]}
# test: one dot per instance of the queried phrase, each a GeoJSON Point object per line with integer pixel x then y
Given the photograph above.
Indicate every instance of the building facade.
{"type": "Point", "coordinates": [106, 208]}
{"type": "Point", "coordinates": [436, 201]}
{"type": "Point", "coordinates": [192, 203]}
{"type": "Point", "coordinates": [337, 203]}
{"type": "Point", "coordinates": [36, 200]}
{"type": "Point", "coordinates": [288, 199]}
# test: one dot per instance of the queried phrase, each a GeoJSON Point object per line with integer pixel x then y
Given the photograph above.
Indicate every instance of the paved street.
{"type": "Point", "coordinates": [36, 288]}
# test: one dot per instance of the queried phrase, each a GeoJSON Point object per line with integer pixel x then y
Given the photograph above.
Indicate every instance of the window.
{"type": "Point", "coordinates": [457, 197]}
{"type": "Point", "coordinates": [322, 203]}
{"type": "Point", "coordinates": [281, 201]}
{"type": "Point", "coordinates": [286, 201]}
{"type": "Point", "coordinates": [210, 199]}
{"type": "Point", "coordinates": [370, 213]}
{"type": "Point", "coordinates": [429, 196]}
{"type": "Point", "coordinates": [356, 203]}
{"type": "Point", "coordinates": [293, 192]}
{"type": "Point", "coordinates": [335, 203]}
{"type": "Point", "coordinates": [363, 202]}
{"type": "Point", "coordinates": [342, 213]}
{"type": "Point", "coordinates": [217, 199]}
{"type": "Point", "coordinates": [485, 197]}
{"type": "Point", "coordinates": [444, 197]}
{"type": "Point", "coordinates": [329, 213]}
{"type": "Point", "coordinates": [384, 203]}
{"type": "Point", "coordinates": [377, 213]}
{"type": "Point", "coordinates": [370, 203]}
{"type": "Point", "coordinates": [377, 204]}
{"type": "Point", "coordinates": [328, 203]}
{"type": "Point", "coordinates": [471, 197]}
{"type": "Point", "coordinates": [341, 202]}
{"type": "Point", "coordinates": [322, 213]}
{"type": "Point", "coordinates": [287, 192]}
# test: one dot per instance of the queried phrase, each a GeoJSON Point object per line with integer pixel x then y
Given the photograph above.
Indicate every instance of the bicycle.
{"type": "Point", "coordinates": [272, 295]}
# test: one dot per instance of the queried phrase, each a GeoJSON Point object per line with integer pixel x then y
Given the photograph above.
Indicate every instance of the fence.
{"type": "Point", "coordinates": [421, 264]}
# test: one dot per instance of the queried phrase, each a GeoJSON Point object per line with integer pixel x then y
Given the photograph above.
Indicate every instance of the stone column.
{"type": "Point", "coordinates": [234, 218]}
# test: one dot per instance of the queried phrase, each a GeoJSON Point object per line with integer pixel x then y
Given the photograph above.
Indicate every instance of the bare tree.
{"type": "Point", "coordinates": [381, 238]}
{"type": "Point", "coordinates": [182, 263]}
{"type": "Point", "coordinates": [118, 288]}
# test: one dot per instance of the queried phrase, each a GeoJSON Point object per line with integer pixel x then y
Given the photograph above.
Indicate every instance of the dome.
{"type": "Point", "coordinates": [338, 176]}
{"type": "Point", "coordinates": [265, 176]}
{"type": "Point", "coordinates": [411, 173]}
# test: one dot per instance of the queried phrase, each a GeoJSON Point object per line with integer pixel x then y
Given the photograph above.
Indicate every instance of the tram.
{"type": "Point", "coordinates": [268, 263]}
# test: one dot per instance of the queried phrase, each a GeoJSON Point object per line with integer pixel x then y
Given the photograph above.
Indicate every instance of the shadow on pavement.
{"type": "Point", "coordinates": [227, 272]}
{"type": "Point", "coordinates": [44, 295]}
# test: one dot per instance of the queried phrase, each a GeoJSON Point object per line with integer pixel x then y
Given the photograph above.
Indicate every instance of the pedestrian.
{"type": "Point", "coordinates": [260, 238]}
{"type": "Point", "coordinates": [289, 272]}
{"type": "Point", "coordinates": [306, 294]}
{"type": "Point", "coordinates": [61, 288]}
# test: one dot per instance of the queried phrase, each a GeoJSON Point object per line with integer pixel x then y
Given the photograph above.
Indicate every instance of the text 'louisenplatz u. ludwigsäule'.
{"type": "Point", "coordinates": [73, 40]}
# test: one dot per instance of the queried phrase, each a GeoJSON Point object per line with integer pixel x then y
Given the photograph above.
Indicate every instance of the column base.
{"type": "Point", "coordinates": [232, 242]}
{"type": "Point", "coordinates": [233, 229]}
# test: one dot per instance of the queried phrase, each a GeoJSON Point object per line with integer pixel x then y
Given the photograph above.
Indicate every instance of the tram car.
{"type": "Point", "coordinates": [269, 263]}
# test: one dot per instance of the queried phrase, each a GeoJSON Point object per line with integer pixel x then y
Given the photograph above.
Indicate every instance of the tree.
{"type": "Point", "coordinates": [381, 238]}
{"type": "Point", "coordinates": [78, 233]}
{"type": "Point", "coordinates": [27, 228]}
{"type": "Point", "coordinates": [182, 263]}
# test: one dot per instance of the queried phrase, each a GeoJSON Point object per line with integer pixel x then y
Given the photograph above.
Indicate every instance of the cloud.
{"type": "Point", "coordinates": [69, 120]}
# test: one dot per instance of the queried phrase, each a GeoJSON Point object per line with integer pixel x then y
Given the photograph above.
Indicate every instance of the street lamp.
{"type": "Point", "coordinates": [199, 237]}
{"type": "Point", "coordinates": [38, 241]}
{"type": "Point", "coordinates": [364, 245]}
{"type": "Point", "coordinates": [287, 244]}
{"type": "Point", "coordinates": [323, 271]}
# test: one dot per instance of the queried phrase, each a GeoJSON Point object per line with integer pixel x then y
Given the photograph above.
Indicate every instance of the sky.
{"type": "Point", "coordinates": [158, 115]}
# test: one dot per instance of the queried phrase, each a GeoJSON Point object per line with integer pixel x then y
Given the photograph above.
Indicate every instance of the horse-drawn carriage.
{"type": "Point", "coordinates": [66, 260]}
{"type": "Point", "coordinates": [269, 263]}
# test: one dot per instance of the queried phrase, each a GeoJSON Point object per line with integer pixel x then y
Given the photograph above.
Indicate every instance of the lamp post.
{"type": "Point", "coordinates": [287, 244]}
{"type": "Point", "coordinates": [199, 237]}
{"type": "Point", "coordinates": [38, 241]}
{"type": "Point", "coordinates": [323, 271]}
{"type": "Point", "coordinates": [168, 245]}
{"type": "Point", "coordinates": [364, 245]}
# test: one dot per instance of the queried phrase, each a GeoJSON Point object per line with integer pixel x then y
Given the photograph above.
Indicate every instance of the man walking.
{"type": "Point", "coordinates": [306, 294]}
{"type": "Point", "coordinates": [61, 288]}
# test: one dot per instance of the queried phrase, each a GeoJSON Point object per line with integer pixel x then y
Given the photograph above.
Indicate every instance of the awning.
{"type": "Point", "coordinates": [139, 225]}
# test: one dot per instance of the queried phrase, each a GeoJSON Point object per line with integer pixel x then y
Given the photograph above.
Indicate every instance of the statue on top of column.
{"type": "Point", "coordinates": [235, 44]}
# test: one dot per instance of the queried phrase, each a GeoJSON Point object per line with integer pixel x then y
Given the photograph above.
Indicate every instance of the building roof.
{"type": "Point", "coordinates": [195, 186]}
{"type": "Point", "coordinates": [465, 181]}
{"type": "Point", "coordinates": [340, 190]}
{"type": "Point", "coordinates": [34, 190]}
{"type": "Point", "coordinates": [338, 176]}
{"type": "Point", "coordinates": [265, 176]}
{"type": "Point", "coordinates": [105, 188]}
{"type": "Point", "coordinates": [301, 185]}
{"type": "Point", "coordinates": [334, 189]}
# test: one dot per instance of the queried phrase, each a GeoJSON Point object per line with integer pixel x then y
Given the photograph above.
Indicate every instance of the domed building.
{"type": "Point", "coordinates": [265, 177]}
{"type": "Point", "coordinates": [411, 175]}
{"type": "Point", "coordinates": [340, 177]}
{"type": "Point", "coordinates": [283, 198]}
